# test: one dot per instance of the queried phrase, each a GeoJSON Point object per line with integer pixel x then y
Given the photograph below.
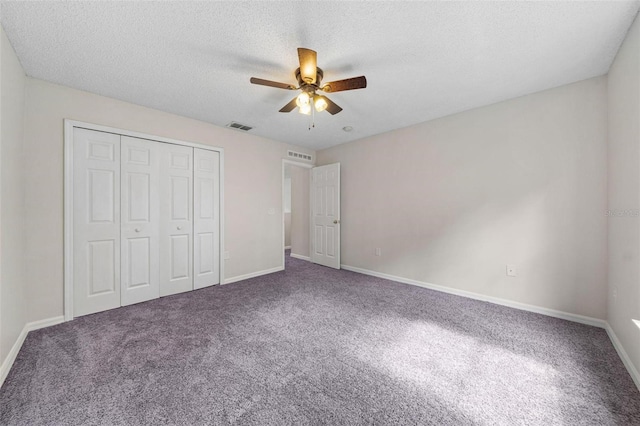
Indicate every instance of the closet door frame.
{"type": "Point", "coordinates": [69, 125]}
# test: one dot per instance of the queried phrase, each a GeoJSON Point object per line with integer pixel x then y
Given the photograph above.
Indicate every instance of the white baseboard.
{"type": "Point", "coordinates": [633, 371]}
{"type": "Point", "coordinates": [253, 275]}
{"type": "Point", "coordinates": [13, 353]}
{"type": "Point", "coordinates": [287, 247]}
{"type": "Point", "coordinates": [301, 257]}
{"type": "Point", "coordinates": [498, 301]}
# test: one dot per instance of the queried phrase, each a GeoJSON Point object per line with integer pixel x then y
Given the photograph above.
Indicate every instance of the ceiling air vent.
{"type": "Point", "coordinates": [299, 155]}
{"type": "Point", "coordinates": [239, 126]}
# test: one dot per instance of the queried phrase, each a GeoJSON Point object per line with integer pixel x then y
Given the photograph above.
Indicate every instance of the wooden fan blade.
{"type": "Point", "coordinates": [332, 107]}
{"type": "Point", "coordinates": [347, 84]}
{"type": "Point", "coordinates": [272, 83]}
{"type": "Point", "coordinates": [290, 106]}
{"type": "Point", "coordinates": [308, 64]}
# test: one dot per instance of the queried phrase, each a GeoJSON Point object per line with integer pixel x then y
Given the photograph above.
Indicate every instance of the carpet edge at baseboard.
{"type": "Point", "coordinates": [633, 372]}
{"type": "Point", "coordinates": [622, 353]}
{"type": "Point", "coordinates": [596, 322]}
{"type": "Point", "coordinates": [7, 363]}
{"type": "Point", "coordinates": [301, 257]}
{"type": "Point", "coordinates": [253, 275]}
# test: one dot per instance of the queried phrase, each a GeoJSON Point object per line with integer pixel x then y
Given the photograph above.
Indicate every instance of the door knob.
{"type": "Point", "coordinates": [336, 221]}
{"type": "Point", "coordinates": [137, 229]}
{"type": "Point", "coordinates": [179, 228]}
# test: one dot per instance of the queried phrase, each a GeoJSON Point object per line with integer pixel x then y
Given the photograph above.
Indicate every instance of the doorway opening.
{"type": "Point", "coordinates": [295, 210]}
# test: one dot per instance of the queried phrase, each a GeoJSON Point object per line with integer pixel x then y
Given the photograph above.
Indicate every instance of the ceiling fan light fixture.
{"type": "Point", "coordinates": [303, 99]}
{"type": "Point", "coordinates": [320, 103]}
{"type": "Point", "coordinates": [309, 78]}
{"type": "Point", "coordinates": [305, 109]}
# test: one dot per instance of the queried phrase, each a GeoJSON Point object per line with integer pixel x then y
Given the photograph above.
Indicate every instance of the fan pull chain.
{"type": "Point", "coordinates": [312, 119]}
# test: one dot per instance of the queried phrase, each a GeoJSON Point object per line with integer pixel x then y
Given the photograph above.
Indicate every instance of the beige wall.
{"type": "Point", "coordinates": [253, 184]}
{"type": "Point", "coordinates": [452, 201]}
{"type": "Point", "coordinates": [624, 193]}
{"type": "Point", "coordinates": [12, 265]}
{"type": "Point", "coordinates": [300, 211]}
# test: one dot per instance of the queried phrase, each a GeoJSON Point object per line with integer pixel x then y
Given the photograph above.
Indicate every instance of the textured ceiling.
{"type": "Point", "coordinates": [422, 60]}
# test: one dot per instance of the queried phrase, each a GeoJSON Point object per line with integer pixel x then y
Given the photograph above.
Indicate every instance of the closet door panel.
{"type": "Point", "coordinates": [96, 221]}
{"type": "Point", "coordinates": [176, 217]}
{"type": "Point", "coordinates": [140, 242]}
{"type": "Point", "coordinates": [206, 221]}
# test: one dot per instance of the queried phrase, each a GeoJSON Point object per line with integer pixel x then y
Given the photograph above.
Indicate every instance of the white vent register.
{"type": "Point", "coordinates": [239, 126]}
{"type": "Point", "coordinates": [299, 155]}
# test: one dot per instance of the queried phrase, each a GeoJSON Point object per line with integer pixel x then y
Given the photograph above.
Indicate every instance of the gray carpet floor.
{"type": "Point", "coordinates": [312, 345]}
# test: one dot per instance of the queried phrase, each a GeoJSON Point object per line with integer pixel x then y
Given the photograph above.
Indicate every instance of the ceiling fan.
{"type": "Point", "coordinates": [309, 78]}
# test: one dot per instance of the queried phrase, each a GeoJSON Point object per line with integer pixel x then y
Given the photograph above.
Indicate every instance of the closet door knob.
{"type": "Point", "coordinates": [179, 228]}
{"type": "Point", "coordinates": [137, 229]}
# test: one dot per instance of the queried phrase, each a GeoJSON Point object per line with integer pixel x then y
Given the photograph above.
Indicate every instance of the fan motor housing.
{"type": "Point", "coordinates": [312, 86]}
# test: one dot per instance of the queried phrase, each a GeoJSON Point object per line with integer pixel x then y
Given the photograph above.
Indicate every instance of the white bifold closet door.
{"type": "Point", "coordinates": [176, 224]}
{"type": "Point", "coordinates": [146, 220]}
{"type": "Point", "coordinates": [140, 220]}
{"type": "Point", "coordinates": [206, 218]}
{"type": "Point", "coordinates": [96, 221]}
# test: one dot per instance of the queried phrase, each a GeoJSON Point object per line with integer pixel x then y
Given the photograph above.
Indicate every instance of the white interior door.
{"type": "Point", "coordinates": [96, 221]}
{"type": "Point", "coordinates": [206, 218]}
{"type": "Point", "coordinates": [325, 215]}
{"type": "Point", "coordinates": [176, 219]}
{"type": "Point", "coordinates": [140, 160]}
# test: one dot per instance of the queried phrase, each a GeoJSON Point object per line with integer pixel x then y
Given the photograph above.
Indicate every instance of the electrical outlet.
{"type": "Point", "coordinates": [227, 255]}
{"type": "Point", "coordinates": [511, 270]}
{"type": "Point", "coordinates": [378, 251]}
